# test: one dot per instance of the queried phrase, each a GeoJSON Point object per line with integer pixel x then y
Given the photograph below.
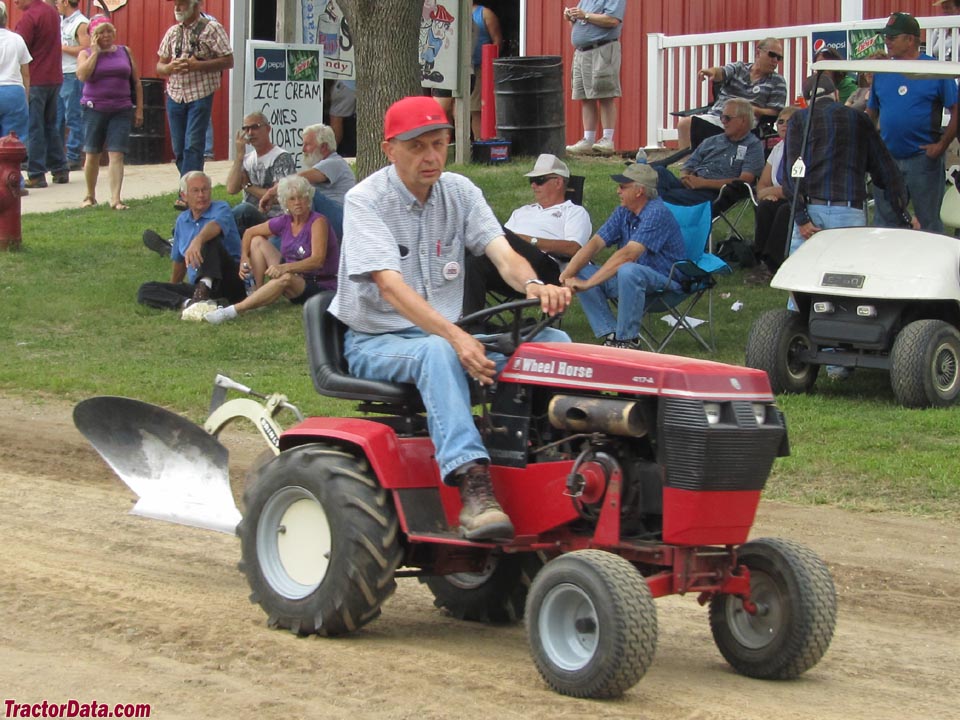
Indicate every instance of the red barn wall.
{"type": "Point", "coordinates": [549, 34]}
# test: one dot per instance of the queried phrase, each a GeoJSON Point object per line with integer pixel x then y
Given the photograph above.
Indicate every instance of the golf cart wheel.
{"type": "Point", "coordinates": [774, 345]}
{"type": "Point", "coordinates": [925, 364]}
{"type": "Point", "coordinates": [591, 624]}
{"type": "Point", "coordinates": [796, 612]}
{"type": "Point", "coordinates": [497, 594]}
{"type": "Point", "coordinates": [319, 542]}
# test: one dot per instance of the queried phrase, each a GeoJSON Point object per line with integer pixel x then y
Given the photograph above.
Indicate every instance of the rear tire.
{"type": "Point", "coordinates": [591, 624]}
{"type": "Point", "coordinates": [797, 612]}
{"type": "Point", "coordinates": [498, 594]}
{"type": "Point", "coordinates": [925, 364]}
{"type": "Point", "coordinates": [319, 542]}
{"type": "Point", "coordinates": [774, 344]}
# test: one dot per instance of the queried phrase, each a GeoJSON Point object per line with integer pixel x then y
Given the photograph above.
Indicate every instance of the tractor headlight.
{"type": "Point", "coordinates": [823, 307]}
{"type": "Point", "coordinates": [760, 413]}
{"type": "Point", "coordinates": [712, 411]}
{"type": "Point", "coordinates": [868, 311]}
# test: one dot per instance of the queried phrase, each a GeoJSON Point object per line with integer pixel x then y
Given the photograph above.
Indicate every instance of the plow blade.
{"type": "Point", "coordinates": [178, 471]}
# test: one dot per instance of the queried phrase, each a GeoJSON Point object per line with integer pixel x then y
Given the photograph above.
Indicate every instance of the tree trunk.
{"type": "Point", "coordinates": [386, 37]}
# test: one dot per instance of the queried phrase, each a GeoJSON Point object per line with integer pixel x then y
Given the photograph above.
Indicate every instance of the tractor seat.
{"type": "Point", "coordinates": [328, 368]}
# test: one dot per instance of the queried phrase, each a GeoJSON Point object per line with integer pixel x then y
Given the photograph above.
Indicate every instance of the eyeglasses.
{"type": "Point", "coordinates": [891, 38]}
{"type": "Point", "coordinates": [538, 181]}
{"type": "Point", "coordinates": [248, 128]}
{"type": "Point", "coordinates": [774, 56]}
{"type": "Point", "coordinates": [727, 118]}
{"type": "Point", "coordinates": [781, 121]}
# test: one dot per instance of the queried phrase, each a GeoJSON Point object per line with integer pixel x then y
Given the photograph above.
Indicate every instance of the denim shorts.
{"type": "Point", "coordinates": [106, 130]}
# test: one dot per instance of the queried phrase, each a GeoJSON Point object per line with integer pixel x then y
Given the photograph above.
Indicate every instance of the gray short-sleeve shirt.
{"type": "Point", "coordinates": [340, 177]}
{"type": "Point", "coordinates": [386, 228]}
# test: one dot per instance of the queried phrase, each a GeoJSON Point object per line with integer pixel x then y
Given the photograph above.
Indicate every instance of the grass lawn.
{"type": "Point", "coordinates": [70, 327]}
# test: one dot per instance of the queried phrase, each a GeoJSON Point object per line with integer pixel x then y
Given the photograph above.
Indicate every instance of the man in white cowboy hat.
{"type": "Point", "coordinates": [547, 232]}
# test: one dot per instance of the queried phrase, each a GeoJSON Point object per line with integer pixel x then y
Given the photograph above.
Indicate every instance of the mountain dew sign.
{"type": "Point", "coordinates": [285, 83]}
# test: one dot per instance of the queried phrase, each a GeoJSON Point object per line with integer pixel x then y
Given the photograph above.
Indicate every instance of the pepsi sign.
{"type": "Point", "coordinates": [835, 39]}
{"type": "Point", "coordinates": [269, 64]}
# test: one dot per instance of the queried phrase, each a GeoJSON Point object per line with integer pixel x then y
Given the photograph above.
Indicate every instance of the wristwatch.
{"type": "Point", "coordinates": [534, 241]}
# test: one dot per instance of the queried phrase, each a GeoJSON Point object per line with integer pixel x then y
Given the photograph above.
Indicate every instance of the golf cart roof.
{"type": "Point", "coordinates": [914, 68]}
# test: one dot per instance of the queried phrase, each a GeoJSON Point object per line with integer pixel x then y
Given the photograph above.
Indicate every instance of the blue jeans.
{"type": "Point", "coordinates": [673, 191]}
{"type": "Point", "coordinates": [629, 287]}
{"type": "Point", "coordinates": [68, 115]}
{"type": "Point", "coordinates": [827, 217]}
{"type": "Point", "coordinates": [188, 126]}
{"type": "Point", "coordinates": [14, 113]}
{"type": "Point", "coordinates": [926, 181]}
{"type": "Point", "coordinates": [45, 146]}
{"type": "Point", "coordinates": [246, 216]}
{"type": "Point", "coordinates": [208, 140]}
{"type": "Point", "coordinates": [430, 363]}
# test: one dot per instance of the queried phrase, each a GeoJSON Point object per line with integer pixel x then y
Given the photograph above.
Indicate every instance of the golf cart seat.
{"type": "Point", "coordinates": [328, 368]}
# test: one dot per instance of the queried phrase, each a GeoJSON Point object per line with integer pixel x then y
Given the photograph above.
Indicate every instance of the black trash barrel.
{"type": "Point", "coordinates": [147, 141]}
{"type": "Point", "coordinates": [529, 96]}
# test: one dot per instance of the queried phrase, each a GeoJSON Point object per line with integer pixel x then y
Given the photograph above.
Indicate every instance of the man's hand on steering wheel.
{"type": "Point", "coordinates": [553, 299]}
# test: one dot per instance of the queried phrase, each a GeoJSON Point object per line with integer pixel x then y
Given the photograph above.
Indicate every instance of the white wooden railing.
{"type": "Point", "coordinates": [673, 62]}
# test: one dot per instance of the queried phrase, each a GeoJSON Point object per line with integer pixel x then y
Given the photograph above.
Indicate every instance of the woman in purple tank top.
{"type": "Point", "coordinates": [112, 99]}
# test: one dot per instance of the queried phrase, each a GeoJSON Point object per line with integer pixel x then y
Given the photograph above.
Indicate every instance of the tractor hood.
{"type": "Point", "coordinates": [879, 263]}
{"type": "Point", "coordinates": [593, 368]}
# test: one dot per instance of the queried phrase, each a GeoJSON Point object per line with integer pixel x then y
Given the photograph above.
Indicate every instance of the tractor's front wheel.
{"type": "Point", "coordinates": [796, 611]}
{"type": "Point", "coordinates": [319, 541]}
{"type": "Point", "coordinates": [496, 594]}
{"type": "Point", "coordinates": [776, 342]}
{"type": "Point", "coordinates": [592, 624]}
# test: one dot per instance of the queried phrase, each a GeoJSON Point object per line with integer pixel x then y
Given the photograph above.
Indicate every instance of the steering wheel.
{"type": "Point", "coordinates": [515, 333]}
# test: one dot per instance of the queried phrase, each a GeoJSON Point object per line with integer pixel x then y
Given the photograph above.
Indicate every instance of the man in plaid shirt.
{"type": "Point", "coordinates": [193, 54]}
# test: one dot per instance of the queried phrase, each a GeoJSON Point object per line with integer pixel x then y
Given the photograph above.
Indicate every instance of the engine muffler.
{"type": "Point", "coordinates": [606, 415]}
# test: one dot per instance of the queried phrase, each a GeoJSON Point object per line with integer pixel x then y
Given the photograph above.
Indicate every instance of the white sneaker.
{"type": "Point", "coordinates": [215, 317]}
{"type": "Point", "coordinates": [604, 146]}
{"type": "Point", "coordinates": [583, 147]}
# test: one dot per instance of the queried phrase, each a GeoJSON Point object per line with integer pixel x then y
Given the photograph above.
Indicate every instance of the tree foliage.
{"type": "Point", "coordinates": [386, 37]}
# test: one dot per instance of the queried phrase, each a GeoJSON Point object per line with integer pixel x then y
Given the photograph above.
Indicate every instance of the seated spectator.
{"type": "Point", "coordinates": [737, 154]}
{"type": "Point", "coordinates": [205, 252]}
{"type": "Point", "coordinates": [648, 241]}
{"type": "Point", "coordinates": [861, 96]}
{"type": "Point", "coordinates": [772, 215]}
{"type": "Point", "coordinates": [842, 81]}
{"type": "Point", "coordinates": [329, 173]}
{"type": "Point", "coordinates": [758, 83]}
{"type": "Point", "coordinates": [256, 171]}
{"type": "Point", "coordinates": [343, 115]}
{"type": "Point", "coordinates": [305, 264]}
{"type": "Point", "coordinates": [548, 232]}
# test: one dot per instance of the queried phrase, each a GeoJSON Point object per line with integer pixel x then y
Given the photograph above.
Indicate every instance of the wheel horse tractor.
{"type": "Point", "coordinates": [627, 475]}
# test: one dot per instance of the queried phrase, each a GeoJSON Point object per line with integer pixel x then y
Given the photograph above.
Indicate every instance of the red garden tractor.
{"type": "Point", "coordinates": [627, 475]}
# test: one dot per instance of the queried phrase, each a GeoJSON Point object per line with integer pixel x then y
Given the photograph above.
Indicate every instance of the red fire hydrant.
{"type": "Point", "coordinates": [12, 153]}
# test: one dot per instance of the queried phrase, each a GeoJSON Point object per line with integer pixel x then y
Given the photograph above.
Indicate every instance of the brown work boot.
{"type": "Point", "coordinates": [482, 518]}
{"type": "Point", "coordinates": [201, 292]}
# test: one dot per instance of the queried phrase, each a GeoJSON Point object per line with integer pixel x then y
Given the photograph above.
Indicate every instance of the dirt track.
{"type": "Point", "coordinates": [102, 605]}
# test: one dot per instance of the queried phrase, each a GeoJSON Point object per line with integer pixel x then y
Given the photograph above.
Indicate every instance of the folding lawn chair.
{"type": "Point", "coordinates": [696, 276]}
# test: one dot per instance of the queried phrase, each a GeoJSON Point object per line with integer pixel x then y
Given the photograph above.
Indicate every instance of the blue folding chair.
{"type": "Point", "coordinates": [696, 275]}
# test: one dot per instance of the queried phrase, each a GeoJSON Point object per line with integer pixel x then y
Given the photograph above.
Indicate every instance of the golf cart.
{"type": "Point", "coordinates": [877, 298]}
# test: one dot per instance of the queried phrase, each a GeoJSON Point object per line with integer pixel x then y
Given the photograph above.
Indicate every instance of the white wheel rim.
{"type": "Point", "coordinates": [294, 542]}
{"type": "Point", "coordinates": [569, 627]}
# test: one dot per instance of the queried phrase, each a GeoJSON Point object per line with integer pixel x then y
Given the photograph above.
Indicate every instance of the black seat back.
{"type": "Point", "coordinates": [328, 368]}
{"type": "Point", "coordinates": [575, 189]}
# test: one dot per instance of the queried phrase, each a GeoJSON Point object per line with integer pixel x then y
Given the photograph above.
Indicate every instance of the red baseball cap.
{"type": "Point", "coordinates": [413, 116]}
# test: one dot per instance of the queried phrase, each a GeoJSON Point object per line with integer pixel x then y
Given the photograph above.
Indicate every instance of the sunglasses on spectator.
{"type": "Point", "coordinates": [890, 38]}
{"type": "Point", "coordinates": [727, 118]}
{"type": "Point", "coordinates": [248, 128]}
{"type": "Point", "coordinates": [774, 56]}
{"type": "Point", "coordinates": [538, 181]}
{"type": "Point", "coordinates": [781, 121]}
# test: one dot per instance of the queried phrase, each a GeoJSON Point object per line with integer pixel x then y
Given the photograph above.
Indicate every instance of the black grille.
{"type": "Point", "coordinates": [734, 454]}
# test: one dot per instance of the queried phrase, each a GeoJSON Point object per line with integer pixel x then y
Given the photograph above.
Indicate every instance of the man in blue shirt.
{"type": "Point", "coordinates": [648, 241]}
{"type": "Point", "coordinates": [910, 113]}
{"type": "Point", "coordinates": [205, 252]}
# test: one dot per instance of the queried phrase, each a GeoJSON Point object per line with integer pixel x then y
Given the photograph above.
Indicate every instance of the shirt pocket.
{"type": "Point", "coordinates": [446, 261]}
